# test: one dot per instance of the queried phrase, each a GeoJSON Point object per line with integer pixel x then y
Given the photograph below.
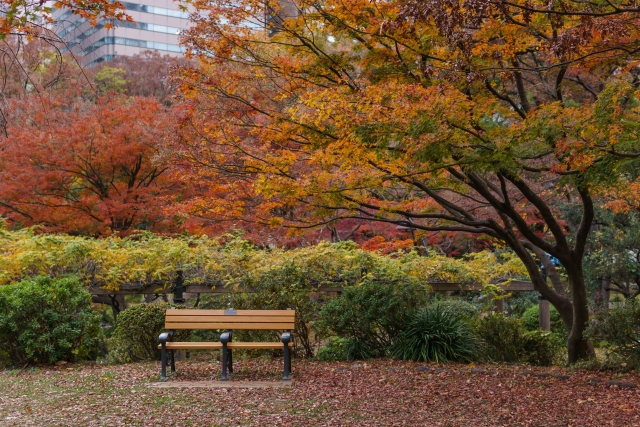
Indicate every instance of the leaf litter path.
{"type": "Point", "coordinates": [378, 393]}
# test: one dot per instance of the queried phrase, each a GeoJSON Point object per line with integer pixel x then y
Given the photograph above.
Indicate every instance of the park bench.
{"type": "Point", "coordinates": [228, 321]}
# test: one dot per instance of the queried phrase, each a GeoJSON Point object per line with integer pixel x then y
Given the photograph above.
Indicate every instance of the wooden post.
{"type": "Point", "coordinates": [498, 305]}
{"type": "Point", "coordinates": [178, 289]}
{"type": "Point", "coordinates": [544, 315]}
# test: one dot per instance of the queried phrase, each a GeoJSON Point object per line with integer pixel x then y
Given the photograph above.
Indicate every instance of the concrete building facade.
{"type": "Point", "coordinates": [157, 27]}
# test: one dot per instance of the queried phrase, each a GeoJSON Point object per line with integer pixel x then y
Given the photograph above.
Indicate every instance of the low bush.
{"type": "Point", "coordinates": [506, 340]}
{"type": "Point", "coordinates": [519, 302]}
{"type": "Point", "coordinates": [335, 349]}
{"type": "Point", "coordinates": [501, 335]}
{"type": "Point", "coordinates": [542, 348]}
{"type": "Point", "coordinates": [135, 336]}
{"type": "Point", "coordinates": [44, 320]}
{"type": "Point", "coordinates": [437, 333]}
{"type": "Point", "coordinates": [531, 320]}
{"type": "Point", "coordinates": [619, 329]}
{"type": "Point", "coordinates": [463, 309]}
{"type": "Point", "coordinates": [372, 314]}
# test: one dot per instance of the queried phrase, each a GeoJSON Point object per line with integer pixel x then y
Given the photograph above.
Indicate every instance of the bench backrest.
{"type": "Point", "coordinates": [231, 319]}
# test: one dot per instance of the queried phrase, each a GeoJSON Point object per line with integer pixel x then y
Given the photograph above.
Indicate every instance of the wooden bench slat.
{"type": "Point", "coordinates": [227, 320]}
{"type": "Point", "coordinates": [218, 345]}
{"type": "Point", "coordinates": [230, 319]}
{"type": "Point", "coordinates": [187, 312]}
{"type": "Point", "coordinates": [230, 325]}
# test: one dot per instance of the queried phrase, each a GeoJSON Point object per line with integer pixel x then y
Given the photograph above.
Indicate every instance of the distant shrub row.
{"type": "Point", "coordinates": [387, 314]}
{"type": "Point", "coordinates": [382, 319]}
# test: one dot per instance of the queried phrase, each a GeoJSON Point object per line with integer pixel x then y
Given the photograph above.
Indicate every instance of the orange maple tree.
{"type": "Point", "coordinates": [479, 117]}
{"type": "Point", "coordinates": [85, 167]}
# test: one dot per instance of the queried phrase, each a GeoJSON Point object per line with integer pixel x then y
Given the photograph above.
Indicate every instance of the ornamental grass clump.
{"type": "Point", "coordinates": [436, 334]}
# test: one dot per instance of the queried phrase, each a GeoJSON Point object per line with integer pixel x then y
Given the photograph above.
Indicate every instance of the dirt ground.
{"type": "Point", "coordinates": [375, 393]}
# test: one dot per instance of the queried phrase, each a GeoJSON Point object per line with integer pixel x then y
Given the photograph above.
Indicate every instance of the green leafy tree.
{"type": "Point", "coordinates": [613, 263]}
{"type": "Point", "coordinates": [110, 79]}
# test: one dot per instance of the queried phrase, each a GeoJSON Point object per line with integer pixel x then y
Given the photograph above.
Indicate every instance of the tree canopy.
{"type": "Point", "coordinates": [482, 117]}
{"type": "Point", "coordinates": [29, 42]}
{"type": "Point", "coordinates": [87, 167]}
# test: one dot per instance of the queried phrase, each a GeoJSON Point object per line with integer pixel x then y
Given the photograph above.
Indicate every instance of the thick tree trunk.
{"type": "Point", "coordinates": [574, 312]}
{"type": "Point", "coordinates": [577, 345]}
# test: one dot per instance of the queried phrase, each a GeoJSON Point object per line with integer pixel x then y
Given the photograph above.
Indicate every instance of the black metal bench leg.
{"type": "Point", "coordinates": [287, 362]}
{"type": "Point", "coordinates": [230, 356]}
{"type": "Point", "coordinates": [173, 361]}
{"type": "Point", "coordinates": [225, 362]}
{"type": "Point", "coordinates": [286, 339]}
{"type": "Point", "coordinates": [163, 361]}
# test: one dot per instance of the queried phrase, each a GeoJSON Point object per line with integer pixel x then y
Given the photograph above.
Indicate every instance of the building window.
{"type": "Point", "coordinates": [102, 59]}
{"type": "Point", "coordinates": [144, 44]}
{"type": "Point", "coordinates": [156, 10]}
{"type": "Point", "coordinates": [150, 27]}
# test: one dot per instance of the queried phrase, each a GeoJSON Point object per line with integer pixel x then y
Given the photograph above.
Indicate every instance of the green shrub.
{"type": "Point", "coordinates": [531, 320]}
{"type": "Point", "coordinates": [542, 348]}
{"type": "Point", "coordinates": [437, 334]}
{"type": "Point", "coordinates": [501, 335]}
{"type": "Point", "coordinates": [619, 328]}
{"type": "Point", "coordinates": [335, 349]}
{"type": "Point", "coordinates": [135, 336]}
{"type": "Point", "coordinates": [44, 320]}
{"type": "Point", "coordinates": [372, 314]}
{"type": "Point", "coordinates": [506, 340]}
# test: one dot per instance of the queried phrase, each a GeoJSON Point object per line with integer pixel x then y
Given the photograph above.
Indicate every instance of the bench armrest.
{"type": "Point", "coordinates": [165, 337]}
{"type": "Point", "coordinates": [286, 337]}
{"type": "Point", "coordinates": [226, 337]}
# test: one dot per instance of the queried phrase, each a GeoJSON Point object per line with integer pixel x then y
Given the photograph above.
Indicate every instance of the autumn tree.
{"type": "Point", "coordinates": [88, 168]}
{"type": "Point", "coordinates": [27, 26]}
{"type": "Point", "coordinates": [147, 74]}
{"type": "Point", "coordinates": [475, 117]}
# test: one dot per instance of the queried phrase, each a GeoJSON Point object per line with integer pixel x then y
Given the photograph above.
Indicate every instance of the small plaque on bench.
{"type": "Point", "coordinates": [230, 312]}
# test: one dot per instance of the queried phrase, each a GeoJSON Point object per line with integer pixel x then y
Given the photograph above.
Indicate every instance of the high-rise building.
{"type": "Point", "coordinates": [157, 26]}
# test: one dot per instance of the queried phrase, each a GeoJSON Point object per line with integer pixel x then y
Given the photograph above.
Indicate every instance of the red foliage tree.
{"type": "Point", "coordinates": [89, 168]}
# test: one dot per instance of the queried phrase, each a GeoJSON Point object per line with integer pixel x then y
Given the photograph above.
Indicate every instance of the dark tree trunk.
{"type": "Point", "coordinates": [577, 345]}
{"type": "Point", "coordinates": [117, 303]}
{"type": "Point", "coordinates": [574, 312]}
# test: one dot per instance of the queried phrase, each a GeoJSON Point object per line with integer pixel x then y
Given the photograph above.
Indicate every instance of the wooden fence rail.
{"type": "Point", "coordinates": [514, 286]}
